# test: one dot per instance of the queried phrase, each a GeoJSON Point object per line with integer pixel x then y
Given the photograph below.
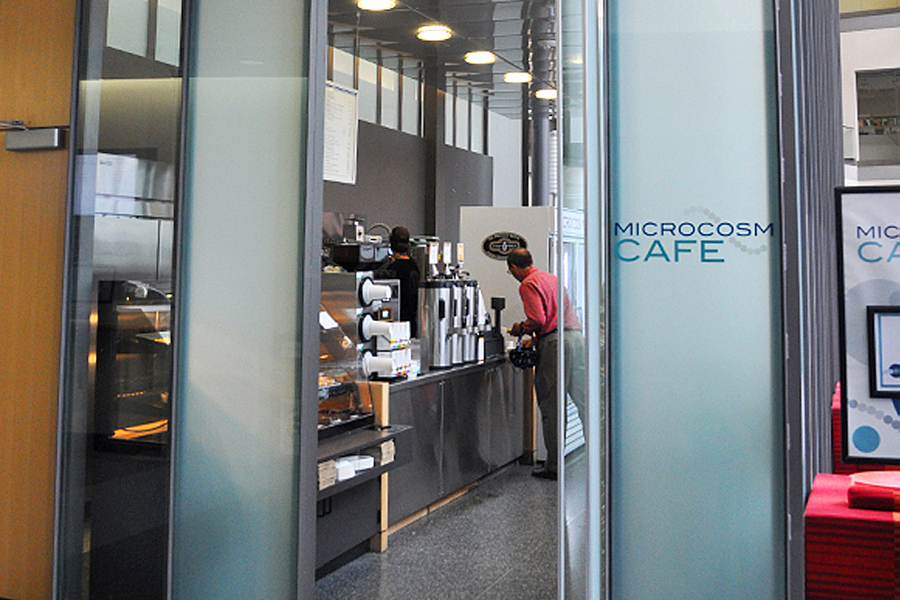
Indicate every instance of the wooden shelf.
{"type": "Point", "coordinates": [352, 443]}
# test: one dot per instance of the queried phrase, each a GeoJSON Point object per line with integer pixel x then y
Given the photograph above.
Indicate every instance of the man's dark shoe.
{"type": "Point", "coordinates": [544, 473]}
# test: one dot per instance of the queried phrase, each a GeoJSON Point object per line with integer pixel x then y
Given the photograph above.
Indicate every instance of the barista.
{"type": "Point", "coordinates": [402, 267]}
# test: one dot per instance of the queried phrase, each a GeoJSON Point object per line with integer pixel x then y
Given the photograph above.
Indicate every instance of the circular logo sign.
{"type": "Point", "coordinates": [499, 245]}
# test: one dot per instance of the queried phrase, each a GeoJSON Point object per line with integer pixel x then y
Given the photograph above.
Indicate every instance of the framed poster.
{"type": "Point", "coordinates": [884, 351]}
{"type": "Point", "coordinates": [868, 220]}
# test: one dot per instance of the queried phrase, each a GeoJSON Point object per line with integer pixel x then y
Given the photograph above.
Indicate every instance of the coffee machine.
{"type": "Point", "coordinates": [452, 312]}
{"type": "Point", "coordinates": [435, 314]}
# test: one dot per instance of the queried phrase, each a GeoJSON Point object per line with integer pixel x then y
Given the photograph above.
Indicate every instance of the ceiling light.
{"type": "Point", "coordinates": [433, 33]}
{"type": "Point", "coordinates": [376, 4]}
{"type": "Point", "coordinates": [546, 94]}
{"type": "Point", "coordinates": [480, 57]}
{"type": "Point", "coordinates": [517, 77]}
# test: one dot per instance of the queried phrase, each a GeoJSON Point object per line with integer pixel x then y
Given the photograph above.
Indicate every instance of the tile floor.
{"type": "Point", "coordinates": [498, 542]}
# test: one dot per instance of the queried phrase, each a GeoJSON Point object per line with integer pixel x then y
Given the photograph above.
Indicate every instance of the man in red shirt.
{"type": "Point", "coordinates": [539, 292]}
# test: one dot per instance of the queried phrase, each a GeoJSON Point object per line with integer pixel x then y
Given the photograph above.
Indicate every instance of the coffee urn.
{"type": "Point", "coordinates": [470, 318]}
{"type": "Point", "coordinates": [457, 328]}
{"type": "Point", "coordinates": [435, 314]}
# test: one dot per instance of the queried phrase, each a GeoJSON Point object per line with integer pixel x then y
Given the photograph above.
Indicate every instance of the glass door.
{"type": "Point", "coordinates": [116, 433]}
{"type": "Point", "coordinates": [581, 215]}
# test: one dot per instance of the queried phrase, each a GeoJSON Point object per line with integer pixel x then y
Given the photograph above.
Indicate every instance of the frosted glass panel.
{"type": "Point", "coordinates": [449, 118]}
{"type": "Point", "coordinates": [168, 31]}
{"type": "Point", "coordinates": [505, 147]}
{"type": "Point", "coordinates": [477, 126]}
{"type": "Point", "coordinates": [236, 463]}
{"type": "Point", "coordinates": [697, 450]}
{"type": "Point", "coordinates": [127, 25]}
{"type": "Point", "coordinates": [368, 90]}
{"type": "Point", "coordinates": [343, 68]}
{"type": "Point", "coordinates": [390, 94]}
{"type": "Point", "coordinates": [462, 119]}
{"type": "Point", "coordinates": [410, 122]}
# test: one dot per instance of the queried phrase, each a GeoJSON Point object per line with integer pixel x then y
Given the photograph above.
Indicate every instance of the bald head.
{"type": "Point", "coordinates": [520, 257]}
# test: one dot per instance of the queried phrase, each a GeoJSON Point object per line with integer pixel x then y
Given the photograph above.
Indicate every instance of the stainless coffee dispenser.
{"type": "Point", "coordinates": [470, 320]}
{"type": "Point", "coordinates": [435, 314]}
{"type": "Point", "coordinates": [457, 330]}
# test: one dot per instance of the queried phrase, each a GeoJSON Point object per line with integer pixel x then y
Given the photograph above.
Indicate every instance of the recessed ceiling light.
{"type": "Point", "coordinates": [546, 94]}
{"type": "Point", "coordinates": [376, 4]}
{"type": "Point", "coordinates": [433, 33]}
{"type": "Point", "coordinates": [480, 57]}
{"type": "Point", "coordinates": [517, 77]}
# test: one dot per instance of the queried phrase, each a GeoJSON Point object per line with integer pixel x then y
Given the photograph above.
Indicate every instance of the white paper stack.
{"type": "Point", "coordinates": [388, 450]}
{"type": "Point", "coordinates": [327, 474]}
{"type": "Point", "coordinates": [383, 453]}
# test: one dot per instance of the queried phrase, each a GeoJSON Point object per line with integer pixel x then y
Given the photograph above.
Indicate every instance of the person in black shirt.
{"type": "Point", "coordinates": [407, 271]}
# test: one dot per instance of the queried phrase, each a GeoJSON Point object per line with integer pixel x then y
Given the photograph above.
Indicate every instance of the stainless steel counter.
{"type": "Point", "coordinates": [439, 374]}
{"type": "Point", "coordinates": [467, 421]}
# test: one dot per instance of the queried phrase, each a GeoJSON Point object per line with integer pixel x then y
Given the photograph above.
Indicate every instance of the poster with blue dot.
{"type": "Point", "coordinates": [869, 300]}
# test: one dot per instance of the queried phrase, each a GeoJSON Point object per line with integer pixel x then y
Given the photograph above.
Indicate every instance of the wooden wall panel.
{"type": "Point", "coordinates": [35, 70]}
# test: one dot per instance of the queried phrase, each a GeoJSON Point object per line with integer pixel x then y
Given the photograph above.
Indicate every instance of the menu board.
{"type": "Point", "coordinates": [869, 252]}
{"type": "Point", "coordinates": [340, 133]}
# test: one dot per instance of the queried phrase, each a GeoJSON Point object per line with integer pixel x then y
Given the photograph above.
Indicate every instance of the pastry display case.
{"type": "Point", "coordinates": [133, 367]}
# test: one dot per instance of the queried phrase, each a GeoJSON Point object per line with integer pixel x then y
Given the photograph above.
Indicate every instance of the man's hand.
{"type": "Point", "coordinates": [516, 329]}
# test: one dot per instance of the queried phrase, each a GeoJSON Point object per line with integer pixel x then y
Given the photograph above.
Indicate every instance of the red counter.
{"type": "Point", "coordinates": [850, 553]}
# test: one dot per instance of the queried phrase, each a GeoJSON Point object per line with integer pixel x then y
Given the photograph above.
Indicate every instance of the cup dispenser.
{"type": "Point", "coordinates": [347, 300]}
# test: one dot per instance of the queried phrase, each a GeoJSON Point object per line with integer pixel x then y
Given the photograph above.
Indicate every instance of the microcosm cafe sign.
{"type": "Point", "coordinates": [705, 240]}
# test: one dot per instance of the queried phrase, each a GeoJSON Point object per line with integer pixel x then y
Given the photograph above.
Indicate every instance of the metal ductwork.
{"type": "Point", "coordinates": [540, 51]}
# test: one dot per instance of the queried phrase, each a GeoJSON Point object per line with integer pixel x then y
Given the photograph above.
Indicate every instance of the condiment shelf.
{"type": "Point", "coordinates": [354, 443]}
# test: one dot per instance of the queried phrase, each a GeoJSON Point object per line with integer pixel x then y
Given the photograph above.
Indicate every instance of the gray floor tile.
{"type": "Point", "coordinates": [497, 541]}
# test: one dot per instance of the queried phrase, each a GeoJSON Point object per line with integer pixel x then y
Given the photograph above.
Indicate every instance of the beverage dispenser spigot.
{"type": "Point", "coordinates": [447, 257]}
{"type": "Point", "coordinates": [433, 259]}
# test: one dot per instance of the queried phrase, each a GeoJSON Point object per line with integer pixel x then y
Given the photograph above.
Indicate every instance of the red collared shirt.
{"type": "Point", "coordinates": [538, 293]}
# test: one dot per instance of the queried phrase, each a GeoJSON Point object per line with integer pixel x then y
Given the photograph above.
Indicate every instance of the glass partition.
{"type": "Point", "coordinates": [236, 460]}
{"type": "Point", "coordinates": [115, 413]}
{"type": "Point", "coordinates": [581, 243]}
{"type": "Point", "coordinates": [696, 397]}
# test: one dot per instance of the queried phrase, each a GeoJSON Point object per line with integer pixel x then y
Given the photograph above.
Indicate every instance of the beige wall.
{"type": "Point", "coordinates": [36, 49]}
{"type": "Point", "coordinates": [863, 5]}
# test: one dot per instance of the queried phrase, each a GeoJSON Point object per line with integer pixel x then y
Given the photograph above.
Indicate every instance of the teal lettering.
{"type": "Point", "coordinates": [709, 247]}
{"type": "Point", "coordinates": [679, 250]}
{"type": "Point", "coordinates": [894, 252]}
{"type": "Point", "coordinates": [652, 253]}
{"type": "Point", "coordinates": [619, 250]}
{"type": "Point", "coordinates": [859, 252]}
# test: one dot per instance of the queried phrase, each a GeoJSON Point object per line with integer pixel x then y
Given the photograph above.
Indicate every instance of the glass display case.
{"type": "Point", "coordinates": [340, 405]}
{"type": "Point", "coordinates": [133, 367]}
